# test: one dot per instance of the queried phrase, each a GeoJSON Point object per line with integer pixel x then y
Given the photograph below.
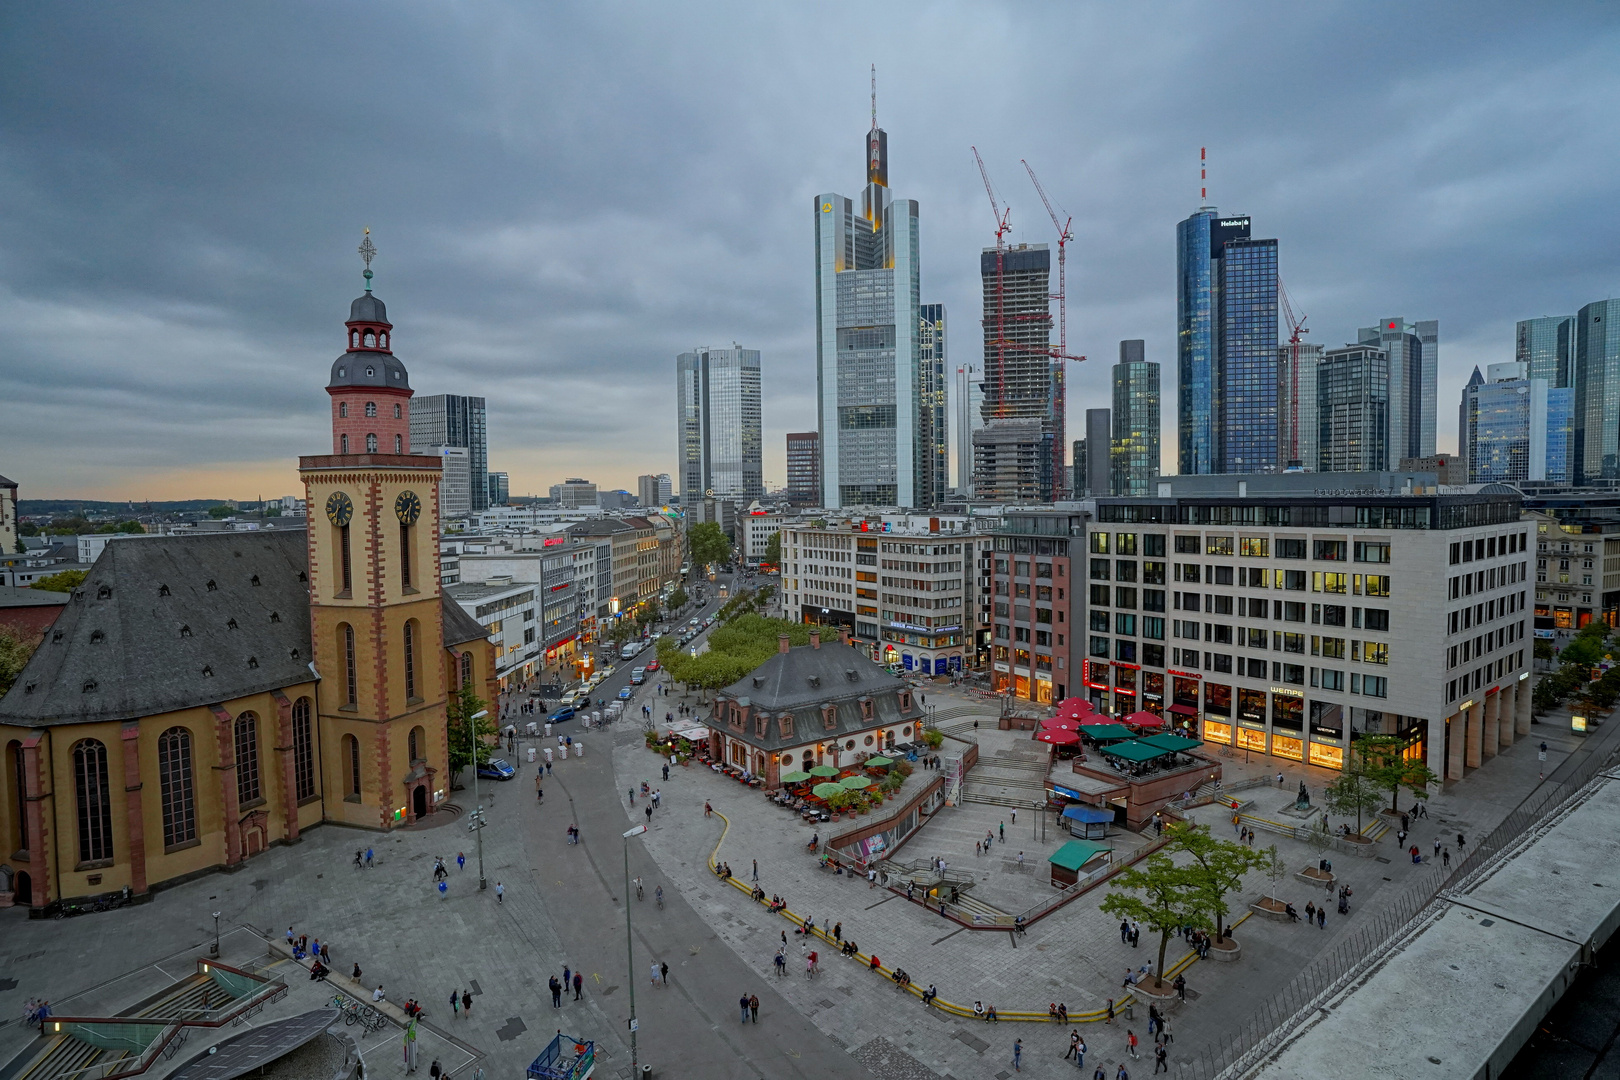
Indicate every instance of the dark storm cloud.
{"type": "Point", "coordinates": [565, 197]}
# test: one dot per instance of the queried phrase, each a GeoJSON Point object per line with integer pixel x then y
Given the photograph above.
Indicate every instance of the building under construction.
{"type": "Point", "coordinates": [1014, 453]}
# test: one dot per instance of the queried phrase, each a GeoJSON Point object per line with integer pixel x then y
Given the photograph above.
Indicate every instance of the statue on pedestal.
{"type": "Point", "coordinates": [1304, 800]}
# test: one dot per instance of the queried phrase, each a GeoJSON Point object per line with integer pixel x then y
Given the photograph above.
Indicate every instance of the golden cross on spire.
{"type": "Point", "coordinates": [368, 251]}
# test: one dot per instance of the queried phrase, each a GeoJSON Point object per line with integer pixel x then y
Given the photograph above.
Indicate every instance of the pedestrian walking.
{"type": "Point", "coordinates": [756, 869]}
{"type": "Point", "coordinates": [500, 893]}
{"type": "Point", "coordinates": [1018, 1055]}
{"type": "Point", "coordinates": [455, 1004]}
{"type": "Point", "coordinates": [1321, 917]}
{"type": "Point", "coordinates": [1110, 1019]}
{"type": "Point", "coordinates": [461, 860]}
{"type": "Point", "coordinates": [1015, 815]}
{"type": "Point", "coordinates": [1130, 1041]}
{"type": "Point", "coordinates": [369, 854]}
{"type": "Point", "coordinates": [579, 984]}
{"type": "Point", "coordinates": [1074, 1045]}
{"type": "Point", "coordinates": [1445, 858]}
{"type": "Point", "coordinates": [743, 1002]}
{"type": "Point", "coordinates": [556, 993]}
{"type": "Point", "coordinates": [1461, 843]}
{"type": "Point", "coordinates": [466, 1002]}
{"type": "Point", "coordinates": [1181, 987]}
{"type": "Point", "coordinates": [663, 972]}
{"type": "Point", "coordinates": [1124, 931]}
{"type": "Point", "coordinates": [1437, 847]}
{"type": "Point", "coordinates": [753, 1007]}
{"type": "Point", "coordinates": [655, 973]}
{"type": "Point", "coordinates": [1160, 1061]}
{"type": "Point", "coordinates": [1310, 911]}
{"type": "Point", "coordinates": [1003, 828]}
{"type": "Point", "coordinates": [443, 890]}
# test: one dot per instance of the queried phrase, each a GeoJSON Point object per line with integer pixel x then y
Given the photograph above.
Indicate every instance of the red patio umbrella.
{"type": "Point", "coordinates": [1074, 706]}
{"type": "Point", "coordinates": [1067, 722]}
{"type": "Point", "coordinates": [1143, 719]}
{"type": "Point", "coordinates": [1096, 720]}
{"type": "Point", "coordinates": [1058, 736]}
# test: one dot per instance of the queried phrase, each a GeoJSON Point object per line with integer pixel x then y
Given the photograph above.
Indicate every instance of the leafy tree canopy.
{"type": "Point", "coordinates": [62, 581]}
{"type": "Point", "coordinates": [464, 733]}
{"type": "Point", "coordinates": [708, 544]}
{"type": "Point", "coordinates": [14, 653]}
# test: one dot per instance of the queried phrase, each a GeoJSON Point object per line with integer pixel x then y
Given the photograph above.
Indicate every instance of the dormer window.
{"type": "Point", "coordinates": [759, 725]}
{"type": "Point", "coordinates": [370, 372]}
{"type": "Point", "coordinates": [253, 661]}
{"type": "Point", "coordinates": [97, 638]}
{"type": "Point", "coordinates": [275, 616]}
{"type": "Point", "coordinates": [784, 724]}
{"type": "Point", "coordinates": [371, 408]}
{"type": "Point", "coordinates": [254, 580]}
{"type": "Point", "coordinates": [163, 590]}
{"type": "Point", "coordinates": [866, 708]}
{"type": "Point", "coordinates": [829, 717]}
{"type": "Point", "coordinates": [230, 624]}
{"type": "Point", "coordinates": [211, 586]}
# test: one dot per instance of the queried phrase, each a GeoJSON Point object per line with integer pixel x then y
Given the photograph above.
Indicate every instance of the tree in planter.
{"type": "Point", "coordinates": [1389, 771]}
{"type": "Point", "coordinates": [1219, 864]}
{"type": "Point", "coordinates": [464, 734]}
{"type": "Point", "coordinates": [934, 739]}
{"type": "Point", "coordinates": [1357, 790]}
{"type": "Point", "coordinates": [1274, 868]}
{"type": "Point", "coordinates": [1161, 894]}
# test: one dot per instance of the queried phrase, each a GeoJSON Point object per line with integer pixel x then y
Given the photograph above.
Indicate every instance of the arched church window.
{"type": "Point", "coordinates": [343, 408]}
{"type": "Point", "coordinates": [371, 442]}
{"type": "Point", "coordinates": [371, 408]}
{"type": "Point", "coordinates": [397, 413]}
{"type": "Point", "coordinates": [176, 787]}
{"type": "Point", "coordinates": [343, 443]}
{"type": "Point", "coordinates": [399, 444]}
{"type": "Point", "coordinates": [247, 758]}
{"type": "Point", "coordinates": [95, 806]}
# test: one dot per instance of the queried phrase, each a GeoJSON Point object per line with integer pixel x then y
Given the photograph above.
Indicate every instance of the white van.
{"type": "Point", "coordinates": [638, 676]}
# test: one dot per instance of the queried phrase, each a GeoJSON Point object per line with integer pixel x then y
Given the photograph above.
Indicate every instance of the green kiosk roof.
{"type": "Point", "coordinates": [1075, 854]}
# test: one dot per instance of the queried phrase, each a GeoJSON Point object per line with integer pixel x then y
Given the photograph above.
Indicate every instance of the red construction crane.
{"type": "Point", "coordinates": [1296, 328]}
{"type": "Point", "coordinates": [1002, 228]}
{"type": "Point", "coordinates": [1060, 396]}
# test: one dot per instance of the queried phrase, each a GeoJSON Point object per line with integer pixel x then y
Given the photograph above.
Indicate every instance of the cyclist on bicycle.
{"type": "Point", "coordinates": [638, 889]}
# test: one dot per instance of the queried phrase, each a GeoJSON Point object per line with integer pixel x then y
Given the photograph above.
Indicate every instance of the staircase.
{"type": "Point", "coordinates": [68, 1057]}
{"type": "Point", "coordinates": [1008, 778]}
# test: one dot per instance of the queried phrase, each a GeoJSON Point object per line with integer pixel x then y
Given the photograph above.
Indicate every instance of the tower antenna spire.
{"type": "Point", "coordinates": [1203, 192]}
{"type": "Point", "coordinates": [368, 251]}
{"type": "Point", "coordinates": [874, 96]}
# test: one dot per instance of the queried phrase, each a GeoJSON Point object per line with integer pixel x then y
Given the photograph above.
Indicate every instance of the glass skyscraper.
{"type": "Point", "coordinates": [1352, 397]}
{"type": "Point", "coordinates": [1515, 428]}
{"type": "Point", "coordinates": [718, 423]}
{"type": "Point", "coordinates": [934, 464]}
{"type": "Point", "coordinates": [1413, 350]}
{"type": "Point", "coordinates": [1547, 347]}
{"type": "Point", "coordinates": [874, 441]}
{"type": "Point", "coordinates": [1597, 392]}
{"type": "Point", "coordinates": [1135, 445]}
{"type": "Point", "coordinates": [455, 420]}
{"type": "Point", "coordinates": [1296, 404]}
{"type": "Point", "coordinates": [1226, 346]}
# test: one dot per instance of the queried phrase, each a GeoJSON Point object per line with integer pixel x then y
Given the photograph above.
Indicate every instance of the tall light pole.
{"type": "Point", "coordinates": [216, 935]}
{"type": "Point", "coordinates": [629, 953]}
{"type": "Point", "coordinates": [478, 814]}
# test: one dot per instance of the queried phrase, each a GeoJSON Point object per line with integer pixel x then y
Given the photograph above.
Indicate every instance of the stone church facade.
{"type": "Point", "coordinates": [203, 697]}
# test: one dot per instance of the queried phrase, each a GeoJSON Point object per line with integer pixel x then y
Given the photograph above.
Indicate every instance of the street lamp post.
{"type": "Point", "coordinates": [629, 953]}
{"type": "Point", "coordinates": [478, 814]}
{"type": "Point", "coordinates": [216, 935]}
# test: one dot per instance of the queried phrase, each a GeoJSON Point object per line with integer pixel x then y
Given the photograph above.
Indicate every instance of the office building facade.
{"type": "Point", "coordinates": [967, 410]}
{"type": "Point", "coordinates": [934, 465]}
{"type": "Point", "coordinates": [1099, 464]}
{"type": "Point", "coordinates": [1077, 471]}
{"type": "Point", "coordinates": [1316, 620]}
{"type": "Point", "coordinates": [499, 487]}
{"type": "Point", "coordinates": [1547, 347]}
{"type": "Point", "coordinates": [719, 423]}
{"type": "Point", "coordinates": [1134, 454]}
{"type": "Point", "coordinates": [1296, 405]}
{"type": "Point", "coordinates": [652, 489]}
{"type": "Point", "coordinates": [1412, 350]}
{"type": "Point", "coordinates": [1352, 396]}
{"type": "Point", "coordinates": [1035, 644]}
{"type": "Point", "coordinates": [455, 420]}
{"type": "Point", "coordinates": [1019, 380]}
{"type": "Point", "coordinates": [456, 489]}
{"type": "Point", "coordinates": [1516, 428]}
{"type": "Point", "coordinates": [573, 494]}
{"type": "Point", "coordinates": [1226, 334]}
{"type": "Point", "coordinates": [868, 352]}
{"type": "Point", "coordinates": [804, 467]}
{"type": "Point", "coordinates": [1597, 392]}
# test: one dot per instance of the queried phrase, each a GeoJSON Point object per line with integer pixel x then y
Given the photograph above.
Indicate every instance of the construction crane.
{"type": "Point", "coordinates": [1296, 329]}
{"type": "Point", "coordinates": [1002, 228]}
{"type": "Point", "coordinates": [1060, 397]}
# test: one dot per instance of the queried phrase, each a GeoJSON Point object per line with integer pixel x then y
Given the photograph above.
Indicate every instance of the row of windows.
{"type": "Point", "coordinates": [1485, 580]}
{"type": "Point", "coordinates": [1477, 678]}
{"type": "Point", "coordinates": [177, 781]}
{"type": "Point", "coordinates": [1489, 547]}
{"type": "Point", "coordinates": [1256, 547]}
{"type": "Point", "coordinates": [371, 409]}
{"type": "Point", "coordinates": [1476, 647]}
{"type": "Point", "coordinates": [1281, 673]}
{"type": "Point", "coordinates": [371, 443]}
{"type": "Point", "coordinates": [1465, 618]}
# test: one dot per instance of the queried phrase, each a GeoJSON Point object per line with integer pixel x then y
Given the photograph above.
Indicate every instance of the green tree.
{"type": "Point", "coordinates": [14, 653]}
{"type": "Point", "coordinates": [62, 581]}
{"type": "Point", "coordinates": [650, 613]}
{"type": "Point", "coordinates": [678, 599]}
{"type": "Point", "coordinates": [1220, 864]}
{"type": "Point", "coordinates": [1275, 869]}
{"type": "Point", "coordinates": [220, 511]}
{"type": "Point", "coordinates": [621, 631]}
{"type": "Point", "coordinates": [773, 549]}
{"type": "Point", "coordinates": [1161, 894]}
{"type": "Point", "coordinates": [1543, 649]}
{"type": "Point", "coordinates": [1356, 790]}
{"type": "Point", "coordinates": [1388, 770]}
{"type": "Point", "coordinates": [69, 526]}
{"type": "Point", "coordinates": [464, 733]}
{"type": "Point", "coordinates": [708, 544]}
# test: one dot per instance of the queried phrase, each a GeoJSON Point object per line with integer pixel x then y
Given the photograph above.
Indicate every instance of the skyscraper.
{"type": "Point", "coordinates": [968, 410]}
{"type": "Point", "coordinates": [1077, 471]}
{"type": "Point", "coordinates": [1597, 392]}
{"type": "Point", "coordinates": [934, 464]}
{"type": "Point", "coordinates": [1514, 427]}
{"type": "Point", "coordinates": [454, 420]}
{"type": "Point", "coordinates": [1547, 345]}
{"type": "Point", "coordinates": [1019, 376]}
{"type": "Point", "coordinates": [500, 488]}
{"type": "Point", "coordinates": [1099, 458]}
{"type": "Point", "coordinates": [1296, 404]}
{"type": "Point", "coordinates": [868, 317]}
{"type": "Point", "coordinates": [804, 467]}
{"type": "Point", "coordinates": [1226, 333]}
{"type": "Point", "coordinates": [1135, 445]}
{"type": "Point", "coordinates": [718, 423]}
{"type": "Point", "coordinates": [647, 490]}
{"type": "Point", "coordinates": [1352, 394]}
{"type": "Point", "coordinates": [1413, 351]}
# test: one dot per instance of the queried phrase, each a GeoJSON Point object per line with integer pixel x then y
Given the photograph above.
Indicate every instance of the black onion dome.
{"type": "Point", "coordinates": [369, 369]}
{"type": "Point", "coordinates": [368, 308]}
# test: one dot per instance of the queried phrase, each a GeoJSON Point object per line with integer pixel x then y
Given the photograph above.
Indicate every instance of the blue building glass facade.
{"type": "Point", "coordinates": [1226, 331]}
{"type": "Point", "coordinates": [1560, 431]}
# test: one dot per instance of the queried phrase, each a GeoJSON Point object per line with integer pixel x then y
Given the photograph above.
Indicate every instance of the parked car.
{"type": "Point", "coordinates": [496, 769]}
{"type": "Point", "coordinates": [652, 666]}
{"type": "Point", "coordinates": [564, 713]}
{"type": "Point", "coordinates": [624, 693]}
{"type": "Point", "coordinates": [574, 697]}
{"type": "Point", "coordinates": [638, 676]}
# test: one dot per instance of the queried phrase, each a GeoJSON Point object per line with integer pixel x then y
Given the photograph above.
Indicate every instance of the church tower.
{"type": "Point", "coordinates": [375, 608]}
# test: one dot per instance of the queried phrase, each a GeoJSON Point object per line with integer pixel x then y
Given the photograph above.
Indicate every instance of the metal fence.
{"type": "Point", "coordinates": [1405, 913]}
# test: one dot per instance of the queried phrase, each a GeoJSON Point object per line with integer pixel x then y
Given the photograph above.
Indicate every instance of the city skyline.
{"type": "Point", "coordinates": [205, 309]}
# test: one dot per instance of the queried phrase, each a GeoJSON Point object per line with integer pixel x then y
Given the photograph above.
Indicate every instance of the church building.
{"type": "Point", "coordinates": [202, 697]}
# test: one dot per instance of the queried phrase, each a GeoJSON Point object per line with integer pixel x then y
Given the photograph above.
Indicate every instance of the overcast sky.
{"type": "Point", "coordinates": [564, 197]}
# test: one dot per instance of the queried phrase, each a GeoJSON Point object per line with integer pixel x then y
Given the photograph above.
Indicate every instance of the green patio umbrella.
{"type": "Point", "coordinates": [827, 791]}
{"type": "Point", "coordinates": [795, 777]}
{"type": "Point", "coordinates": [823, 770]}
{"type": "Point", "coordinates": [879, 762]}
{"type": "Point", "coordinates": [853, 782]}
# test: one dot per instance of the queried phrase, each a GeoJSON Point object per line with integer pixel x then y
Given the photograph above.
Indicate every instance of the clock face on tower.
{"type": "Point", "coordinates": [339, 509]}
{"type": "Point", "coordinates": [407, 508]}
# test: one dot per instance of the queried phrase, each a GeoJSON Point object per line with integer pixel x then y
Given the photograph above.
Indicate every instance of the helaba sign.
{"type": "Point", "coordinates": [1234, 223]}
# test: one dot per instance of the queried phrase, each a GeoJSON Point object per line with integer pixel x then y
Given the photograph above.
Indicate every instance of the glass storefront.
{"type": "Point", "coordinates": [1329, 757]}
{"type": "Point", "coordinates": [1184, 691]}
{"type": "Point", "coordinates": [1250, 739]}
{"type": "Point", "coordinates": [1287, 712]}
{"type": "Point", "coordinates": [1217, 699]}
{"type": "Point", "coordinates": [1217, 732]}
{"type": "Point", "coordinates": [1286, 746]}
{"type": "Point", "coordinates": [1251, 705]}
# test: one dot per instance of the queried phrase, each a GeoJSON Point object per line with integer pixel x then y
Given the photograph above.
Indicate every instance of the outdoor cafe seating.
{"type": "Point", "coordinates": [1149, 755]}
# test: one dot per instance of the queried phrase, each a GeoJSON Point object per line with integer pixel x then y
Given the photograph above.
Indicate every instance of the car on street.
{"type": "Point", "coordinates": [496, 769]}
{"type": "Point", "coordinates": [638, 676]}
{"type": "Point", "coordinates": [564, 713]}
{"type": "Point", "coordinates": [574, 697]}
{"type": "Point", "coordinates": [652, 666]}
{"type": "Point", "coordinates": [624, 693]}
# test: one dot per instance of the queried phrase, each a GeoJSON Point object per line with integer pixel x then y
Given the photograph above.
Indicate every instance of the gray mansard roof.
{"type": "Point", "coordinates": [171, 622]}
{"type": "Point", "coordinates": [802, 681]}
